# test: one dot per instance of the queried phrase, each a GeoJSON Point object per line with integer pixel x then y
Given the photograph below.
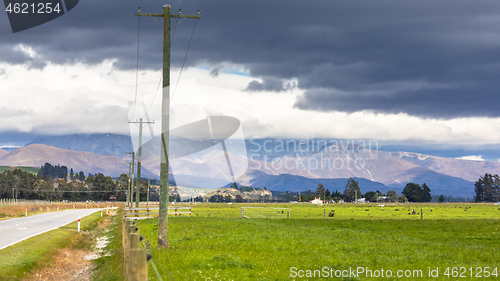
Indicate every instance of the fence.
{"type": "Point", "coordinates": [23, 202]}
{"type": "Point", "coordinates": [145, 213]}
{"type": "Point", "coordinates": [135, 258]}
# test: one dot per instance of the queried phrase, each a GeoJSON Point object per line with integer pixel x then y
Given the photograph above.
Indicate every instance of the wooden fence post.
{"type": "Point", "coordinates": [138, 264]}
{"type": "Point", "coordinates": [128, 228]}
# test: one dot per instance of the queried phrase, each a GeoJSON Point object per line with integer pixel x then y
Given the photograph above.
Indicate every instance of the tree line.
{"type": "Point", "coordinates": [59, 172]}
{"type": "Point", "coordinates": [487, 188]}
{"type": "Point", "coordinates": [53, 183]}
{"type": "Point", "coordinates": [411, 193]}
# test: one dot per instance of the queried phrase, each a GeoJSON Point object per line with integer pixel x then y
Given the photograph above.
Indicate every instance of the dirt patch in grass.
{"type": "Point", "coordinates": [75, 263]}
{"type": "Point", "coordinates": [69, 264]}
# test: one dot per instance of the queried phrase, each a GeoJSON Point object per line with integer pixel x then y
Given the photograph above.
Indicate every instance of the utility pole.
{"type": "Point", "coordinates": [139, 154]}
{"type": "Point", "coordinates": [163, 212]}
{"type": "Point", "coordinates": [147, 196]}
{"type": "Point", "coordinates": [128, 187]}
{"type": "Point", "coordinates": [131, 186]}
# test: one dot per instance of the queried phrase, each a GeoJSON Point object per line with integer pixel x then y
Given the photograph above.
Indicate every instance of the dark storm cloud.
{"type": "Point", "coordinates": [425, 58]}
{"type": "Point", "coordinates": [270, 84]}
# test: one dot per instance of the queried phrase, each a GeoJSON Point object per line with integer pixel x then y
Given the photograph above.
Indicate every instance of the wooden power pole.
{"type": "Point", "coordinates": [163, 212]}
{"type": "Point", "coordinates": [139, 155]}
{"type": "Point", "coordinates": [130, 195]}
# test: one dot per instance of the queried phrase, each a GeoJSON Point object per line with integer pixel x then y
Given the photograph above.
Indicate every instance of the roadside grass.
{"type": "Point", "coordinates": [18, 260]}
{"type": "Point", "coordinates": [8, 212]}
{"type": "Point", "coordinates": [223, 246]}
{"type": "Point", "coordinates": [109, 267]}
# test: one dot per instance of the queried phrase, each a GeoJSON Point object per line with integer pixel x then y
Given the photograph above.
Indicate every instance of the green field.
{"type": "Point", "coordinates": [216, 244]}
{"type": "Point", "coordinates": [33, 170]}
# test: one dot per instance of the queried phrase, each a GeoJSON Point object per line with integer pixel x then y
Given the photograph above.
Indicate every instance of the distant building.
{"type": "Point", "coordinates": [316, 201]}
{"type": "Point", "coordinates": [382, 199]}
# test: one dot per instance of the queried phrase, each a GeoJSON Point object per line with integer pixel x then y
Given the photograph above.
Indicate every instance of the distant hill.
{"type": "Point", "coordinates": [293, 183]}
{"type": "Point", "coordinates": [3, 152]}
{"type": "Point", "coordinates": [469, 170]}
{"type": "Point", "coordinates": [36, 155]}
{"type": "Point", "coordinates": [100, 144]}
{"type": "Point", "coordinates": [273, 163]}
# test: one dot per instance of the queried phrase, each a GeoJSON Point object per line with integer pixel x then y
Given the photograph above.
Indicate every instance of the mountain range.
{"type": "Point", "coordinates": [100, 144]}
{"type": "Point", "coordinates": [36, 155]}
{"type": "Point", "coordinates": [3, 152]}
{"type": "Point", "coordinates": [282, 165]}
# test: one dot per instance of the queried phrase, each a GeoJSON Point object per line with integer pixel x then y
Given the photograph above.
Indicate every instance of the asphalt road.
{"type": "Point", "coordinates": [16, 230]}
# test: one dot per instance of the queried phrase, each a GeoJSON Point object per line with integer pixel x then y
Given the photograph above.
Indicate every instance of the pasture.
{"type": "Point", "coordinates": [451, 240]}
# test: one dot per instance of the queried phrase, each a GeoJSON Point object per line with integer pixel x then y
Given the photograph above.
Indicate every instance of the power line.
{"type": "Point", "coordinates": [185, 58]}
{"type": "Point", "coordinates": [176, 23]}
{"type": "Point", "coordinates": [62, 190]}
{"type": "Point", "coordinates": [187, 50]}
{"type": "Point", "coordinates": [137, 62]}
{"type": "Point", "coordinates": [202, 4]}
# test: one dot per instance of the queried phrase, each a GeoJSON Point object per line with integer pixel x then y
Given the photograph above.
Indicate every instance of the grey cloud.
{"type": "Point", "coordinates": [270, 84]}
{"type": "Point", "coordinates": [216, 69]}
{"type": "Point", "coordinates": [346, 56]}
{"type": "Point", "coordinates": [6, 112]}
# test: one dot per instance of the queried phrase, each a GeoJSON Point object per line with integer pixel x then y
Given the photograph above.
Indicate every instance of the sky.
{"type": "Point", "coordinates": [418, 75]}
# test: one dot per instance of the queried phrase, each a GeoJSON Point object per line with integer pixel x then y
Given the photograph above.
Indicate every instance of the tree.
{"type": "Point", "coordinates": [234, 185]}
{"type": "Point", "coordinates": [289, 196]}
{"type": "Point", "coordinates": [416, 193]}
{"type": "Point", "coordinates": [238, 199]}
{"type": "Point", "coordinates": [426, 193]}
{"type": "Point", "coordinates": [246, 189]}
{"type": "Point", "coordinates": [392, 196]}
{"type": "Point", "coordinates": [122, 187]}
{"type": "Point", "coordinates": [487, 188]}
{"type": "Point", "coordinates": [320, 191]}
{"type": "Point", "coordinates": [62, 172]}
{"type": "Point", "coordinates": [441, 198]}
{"type": "Point", "coordinates": [337, 196]}
{"type": "Point", "coordinates": [81, 176]}
{"type": "Point", "coordinates": [56, 172]}
{"type": "Point", "coordinates": [370, 196]}
{"type": "Point", "coordinates": [301, 198]}
{"type": "Point", "coordinates": [352, 191]}
{"type": "Point", "coordinates": [101, 186]}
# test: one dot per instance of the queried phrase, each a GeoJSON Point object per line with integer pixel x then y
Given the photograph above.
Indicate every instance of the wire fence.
{"type": "Point", "coordinates": [136, 258]}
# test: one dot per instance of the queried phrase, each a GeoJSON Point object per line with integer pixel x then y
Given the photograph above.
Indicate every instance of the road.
{"type": "Point", "coordinates": [16, 230]}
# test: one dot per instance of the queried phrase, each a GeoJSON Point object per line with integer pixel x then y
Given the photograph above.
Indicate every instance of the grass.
{"type": "Point", "coordinates": [109, 267]}
{"type": "Point", "coordinates": [33, 170]}
{"type": "Point", "coordinates": [224, 247]}
{"type": "Point", "coordinates": [35, 209]}
{"type": "Point", "coordinates": [361, 211]}
{"type": "Point", "coordinates": [18, 260]}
